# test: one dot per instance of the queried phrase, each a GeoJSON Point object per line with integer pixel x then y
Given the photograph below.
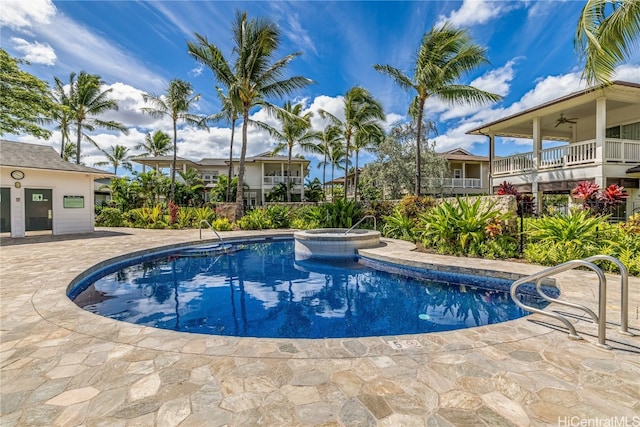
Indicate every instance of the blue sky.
{"type": "Point", "coordinates": [138, 47]}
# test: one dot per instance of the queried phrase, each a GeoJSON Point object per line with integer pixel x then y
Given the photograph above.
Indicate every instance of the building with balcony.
{"type": "Point", "coordinates": [589, 135]}
{"type": "Point", "coordinates": [262, 173]}
{"type": "Point", "coordinates": [468, 175]}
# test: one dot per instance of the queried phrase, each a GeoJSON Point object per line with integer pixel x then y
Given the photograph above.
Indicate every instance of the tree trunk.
{"type": "Point", "coordinates": [288, 180]}
{"type": "Point", "coordinates": [324, 170]}
{"type": "Point", "coordinates": [355, 180]}
{"type": "Point", "coordinates": [78, 141]}
{"type": "Point", "coordinates": [243, 153]}
{"type": "Point", "coordinates": [233, 131]}
{"type": "Point", "coordinates": [418, 149]}
{"type": "Point", "coordinates": [346, 168]}
{"type": "Point", "coordinates": [175, 160]}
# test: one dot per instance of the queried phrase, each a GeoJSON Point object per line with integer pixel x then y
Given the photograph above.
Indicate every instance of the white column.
{"type": "Point", "coordinates": [464, 174]}
{"type": "Point", "coordinates": [492, 156]}
{"type": "Point", "coordinates": [537, 147]}
{"type": "Point", "coordinates": [302, 182]}
{"type": "Point", "coordinates": [262, 184]}
{"type": "Point", "coordinates": [601, 128]}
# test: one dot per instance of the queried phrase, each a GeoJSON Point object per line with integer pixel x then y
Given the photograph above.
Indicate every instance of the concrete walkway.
{"type": "Point", "coordinates": [64, 366]}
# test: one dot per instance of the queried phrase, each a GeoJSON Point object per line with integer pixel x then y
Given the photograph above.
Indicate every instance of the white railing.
{"type": "Point", "coordinates": [275, 180]}
{"type": "Point", "coordinates": [517, 163]}
{"type": "Point", "coordinates": [580, 153]}
{"type": "Point", "coordinates": [622, 150]}
{"type": "Point", "coordinates": [455, 182]}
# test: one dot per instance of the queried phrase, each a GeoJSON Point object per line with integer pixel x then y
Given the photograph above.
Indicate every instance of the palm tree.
{"type": "Point", "coordinates": [361, 112]}
{"type": "Point", "coordinates": [254, 75]}
{"type": "Point", "coordinates": [606, 41]}
{"type": "Point", "coordinates": [366, 139]}
{"type": "Point", "coordinates": [295, 130]}
{"type": "Point", "coordinates": [446, 53]}
{"type": "Point", "coordinates": [154, 145]}
{"type": "Point", "coordinates": [338, 159]}
{"type": "Point", "coordinates": [117, 156]}
{"type": "Point", "coordinates": [62, 114]}
{"type": "Point", "coordinates": [86, 101]}
{"type": "Point", "coordinates": [229, 114]}
{"type": "Point", "coordinates": [175, 104]}
{"type": "Point", "coordinates": [329, 136]}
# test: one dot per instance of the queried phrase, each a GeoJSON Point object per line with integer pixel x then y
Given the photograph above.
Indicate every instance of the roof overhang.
{"type": "Point", "coordinates": [579, 105]}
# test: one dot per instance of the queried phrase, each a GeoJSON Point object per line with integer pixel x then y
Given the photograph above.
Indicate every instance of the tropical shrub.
{"type": "Point", "coordinates": [279, 216]}
{"type": "Point", "coordinates": [257, 219]}
{"type": "Point", "coordinates": [308, 217]}
{"type": "Point", "coordinates": [186, 217]}
{"type": "Point", "coordinates": [380, 209]}
{"type": "Point", "coordinates": [412, 205]}
{"type": "Point", "coordinates": [222, 224]}
{"type": "Point", "coordinates": [463, 227]}
{"type": "Point", "coordinates": [341, 214]}
{"type": "Point", "coordinates": [525, 201]}
{"type": "Point", "coordinates": [203, 214]}
{"type": "Point", "coordinates": [148, 217]}
{"type": "Point", "coordinates": [597, 201]}
{"type": "Point", "coordinates": [399, 226]}
{"type": "Point", "coordinates": [110, 217]}
{"type": "Point", "coordinates": [575, 227]}
{"type": "Point", "coordinates": [560, 238]}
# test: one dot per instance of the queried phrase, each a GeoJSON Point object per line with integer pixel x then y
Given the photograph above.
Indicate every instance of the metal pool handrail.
{"type": "Point", "coordinates": [375, 226]}
{"type": "Point", "coordinates": [601, 319]}
{"type": "Point", "coordinates": [212, 229]}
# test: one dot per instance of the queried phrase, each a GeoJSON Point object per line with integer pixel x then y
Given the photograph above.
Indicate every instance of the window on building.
{"type": "Point", "coordinates": [628, 131]}
{"type": "Point", "coordinates": [457, 173]}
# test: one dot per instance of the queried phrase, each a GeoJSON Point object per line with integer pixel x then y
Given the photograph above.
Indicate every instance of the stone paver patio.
{"type": "Point", "coordinates": [63, 366]}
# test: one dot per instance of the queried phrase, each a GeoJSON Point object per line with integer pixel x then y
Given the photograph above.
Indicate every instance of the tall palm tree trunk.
{"type": "Point", "coordinates": [288, 180]}
{"type": "Point", "coordinates": [79, 139]}
{"type": "Point", "coordinates": [324, 170]}
{"type": "Point", "coordinates": [418, 146]}
{"type": "Point", "coordinates": [175, 160]}
{"type": "Point", "coordinates": [243, 153]}
{"type": "Point", "coordinates": [233, 131]}
{"type": "Point", "coordinates": [333, 184]}
{"type": "Point", "coordinates": [346, 169]}
{"type": "Point", "coordinates": [355, 194]}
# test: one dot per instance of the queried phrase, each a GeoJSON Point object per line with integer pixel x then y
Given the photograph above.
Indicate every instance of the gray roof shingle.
{"type": "Point", "coordinates": [34, 156]}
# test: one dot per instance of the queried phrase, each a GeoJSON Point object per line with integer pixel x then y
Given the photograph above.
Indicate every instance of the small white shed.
{"type": "Point", "coordinates": [41, 191]}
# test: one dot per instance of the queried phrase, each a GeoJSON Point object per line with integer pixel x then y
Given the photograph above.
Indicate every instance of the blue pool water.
{"type": "Point", "coordinates": [261, 291]}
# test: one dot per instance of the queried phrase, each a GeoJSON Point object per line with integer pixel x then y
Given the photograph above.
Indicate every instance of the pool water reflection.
{"type": "Point", "coordinates": [262, 292]}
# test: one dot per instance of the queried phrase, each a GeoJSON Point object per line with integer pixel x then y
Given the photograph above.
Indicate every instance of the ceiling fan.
{"type": "Point", "coordinates": [562, 120]}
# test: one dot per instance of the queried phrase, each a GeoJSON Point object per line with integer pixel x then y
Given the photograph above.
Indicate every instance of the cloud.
{"type": "Point", "coordinates": [23, 15]}
{"type": "Point", "coordinates": [97, 53]}
{"type": "Point", "coordinates": [197, 71]}
{"type": "Point", "coordinates": [35, 53]}
{"type": "Point", "coordinates": [474, 12]}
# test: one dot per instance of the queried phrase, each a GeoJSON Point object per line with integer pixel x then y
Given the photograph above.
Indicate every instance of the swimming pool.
{"type": "Point", "coordinates": [261, 291]}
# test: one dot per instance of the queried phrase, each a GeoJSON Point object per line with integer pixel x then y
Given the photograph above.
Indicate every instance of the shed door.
{"type": "Point", "coordinates": [38, 209]}
{"type": "Point", "coordinates": [5, 209]}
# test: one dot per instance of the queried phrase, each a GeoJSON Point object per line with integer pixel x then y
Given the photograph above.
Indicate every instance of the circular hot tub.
{"type": "Point", "coordinates": [333, 243]}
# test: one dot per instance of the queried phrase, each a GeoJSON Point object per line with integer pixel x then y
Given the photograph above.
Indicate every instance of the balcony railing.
{"type": "Point", "coordinates": [581, 153]}
{"type": "Point", "coordinates": [275, 180]}
{"type": "Point", "coordinates": [455, 182]}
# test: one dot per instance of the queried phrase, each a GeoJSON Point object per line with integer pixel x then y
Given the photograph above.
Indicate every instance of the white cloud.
{"type": "Point", "coordinates": [496, 81]}
{"type": "Point", "coordinates": [21, 14]}
{"type": "Point", "coordinates": [197, 71]}
{"type": "Point", "coordinates": [474, 12]}
{"type": "Point", "coordinates": [35, 53]}
{"type": "Point", "coordinates": [80, 45]}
